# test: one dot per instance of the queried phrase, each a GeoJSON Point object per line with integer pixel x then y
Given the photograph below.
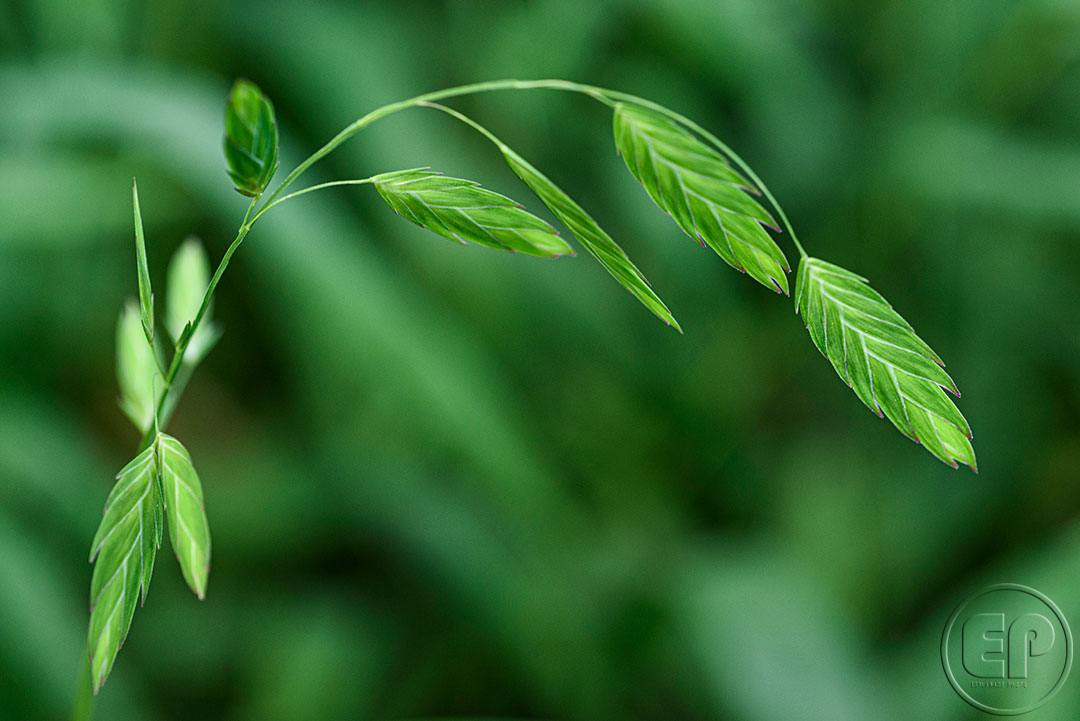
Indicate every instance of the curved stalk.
{"type": "Point", "coordinates": [320, 186]}
{"type": "Point", "coordinates": [603, 95]}
{"type": "Point", "coordinates": [473, 88]}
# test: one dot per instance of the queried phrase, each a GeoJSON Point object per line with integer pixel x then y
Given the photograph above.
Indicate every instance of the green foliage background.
{"type": "Point", "coordinates": [445, 480]}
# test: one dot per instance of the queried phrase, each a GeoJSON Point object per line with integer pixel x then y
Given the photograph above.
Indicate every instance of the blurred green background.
{"type": "Point", "coordinates": [449, 481]}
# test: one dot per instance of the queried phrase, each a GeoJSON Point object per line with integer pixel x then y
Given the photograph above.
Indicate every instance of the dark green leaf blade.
{"type": "Point", "coordinates": [251, 138]}
{"type": "Point", "coordinates": [599, 244]}
{"type": "Point", "coordinates": [189, 530]}
{"type": "Point", "coordinates": [705, 196]}
{"type": "Point", "coordinates": [462, 211]}
{"type": "Point", "coordinates": [123, 553]}
{"type": "Point", "coordinates": [876, 352]}
{"type": "Point", "coordinates": [146, 294]}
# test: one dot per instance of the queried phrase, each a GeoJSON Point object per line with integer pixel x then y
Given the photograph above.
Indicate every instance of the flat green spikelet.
{"type": "Point", "coordinates": [189, 531]}
{"type": "Point", "coordinates": [705, 196]}
{"type": "Point", "coordinates": [123, 553]}
{"type": "Point", "coordinates": [251, 138]}
{"type": "Point", "coordinates": [589, 233]}
{"type": "Point", "coordinates": [462, 211]}
{"type": "Point", "coordinates": [876, 352]}
{"type": "Point", "coordinates": [146, 294]}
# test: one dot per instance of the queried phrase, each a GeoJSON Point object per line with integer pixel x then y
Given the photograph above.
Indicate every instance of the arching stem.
{"type": "Point", "coordinates": [603, 95]}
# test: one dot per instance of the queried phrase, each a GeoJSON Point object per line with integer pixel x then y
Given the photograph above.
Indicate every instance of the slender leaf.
{"type": "Point", "coordinates": [188, 277]}
{"type": "Point", "coordinates": [590, 234]}
{"type": "Point", "coordinates": [706, 197]}
{"type": "Point", "coordinates": [463, 211]}
{"type": "Point", "coordinates": [136, 368]}
{"type": "Point", "coordinates": [878, 355]}
{"type": "Point", "coordinates": [189, 531]}
{"type": "Point", "coordinates": [251, 138]}
{"type": "Point", "coordinates": [146, 294]}
{"type": "Point", "coordinates": [123, 554]}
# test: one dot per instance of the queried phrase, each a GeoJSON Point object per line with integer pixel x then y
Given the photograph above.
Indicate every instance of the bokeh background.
{"type": "Point", "coordinates": [445, 481]}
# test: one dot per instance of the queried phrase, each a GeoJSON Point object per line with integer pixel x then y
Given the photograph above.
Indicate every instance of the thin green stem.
{"type": "Point", "coordinates": [185, 338]}
{"type": "Point", "coordinates": [83, 709]}
{"type": "Point", "coordinates": [467, 120]}
{"type": "Point", "coordinates": [157, 357]}
{"type": "Point", "coordinates": [175, 391]}
{"type": "Point", "coordinates": [320, 186]}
